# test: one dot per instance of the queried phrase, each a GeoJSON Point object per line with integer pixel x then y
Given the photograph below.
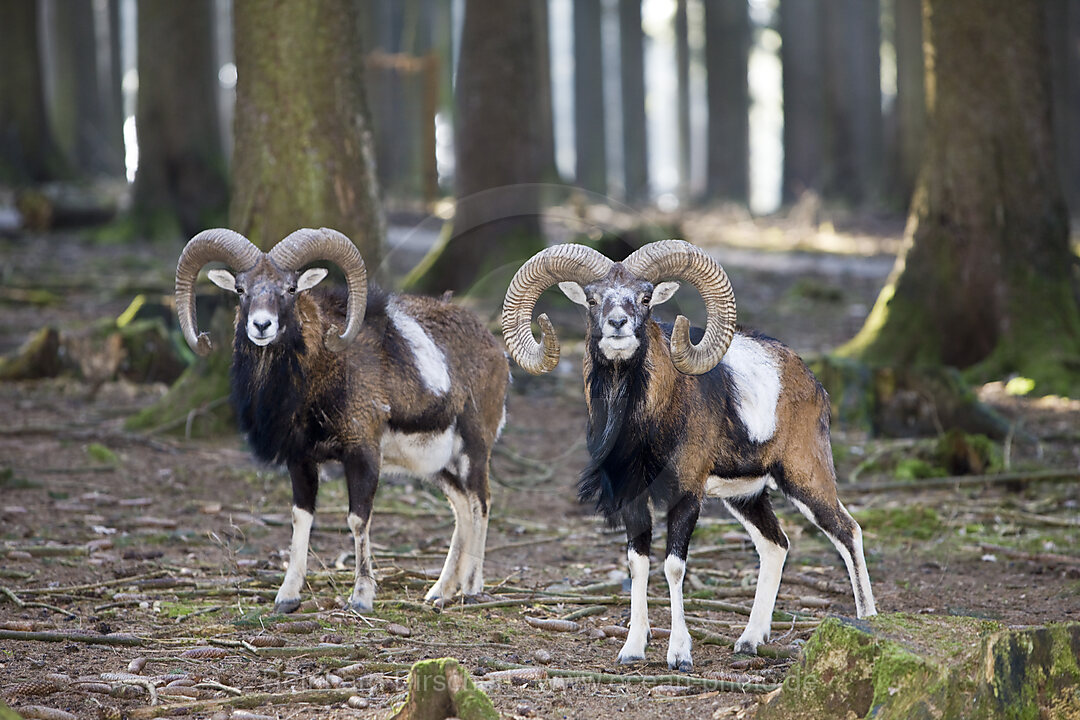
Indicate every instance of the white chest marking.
{"type": "Point", "coordinates": [430, 360]}
{"type": "Point", "coordinates": [757, 386]}
{"type": "Point", "coordinates": [420, 454]}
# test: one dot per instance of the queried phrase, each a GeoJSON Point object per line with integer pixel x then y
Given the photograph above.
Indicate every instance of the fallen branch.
{"type": "Point", "coordinates": [612, 679]}
{"type": "Point", "coordinates": [1040, 558]}
{"type": "Point", "coordinates": [314, 697]}
{"type": "Point", "coordinates": [133, 580]}
{"type": "Point", "coordinates": [26, 603]}
{"type": "Point", "coordinates": [128, 640]}
{"type": "Point", "coordinates": [959, 481]}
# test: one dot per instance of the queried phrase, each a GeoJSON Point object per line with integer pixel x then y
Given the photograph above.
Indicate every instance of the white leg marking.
{"type": "Point", "coordinates": [449, 582]}
{"type": "Point", "coordinates": [288, 595]}
{"type": "Point", "coordinates": [363, 594]}
{"type": "Point", "coordinates": [856, 564]}
{"type": "Point", "coordinates": [473, 580]}
{"type": "Point", "coordinates": [772, 557]}
{"type": "Point", "coordinates": [757, 385]}
{"type": "Point", "coordinates": [638, 637]}
{"type": "Point", "coordinates": [679, 645]}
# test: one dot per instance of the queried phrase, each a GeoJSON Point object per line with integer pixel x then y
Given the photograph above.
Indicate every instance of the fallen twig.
{"type": "Point", "coordinates": [26, 603]}
{"type": "Point", "coordinates": [610, 678]}
{"type": "Point", "coordinates": [129, 640]}
{"type": "Point", "coordinates": [958, 481]}
{"type": "Point", "coordinates": [1041, 558]}
{"type": "Point", "coordinates": [315, 697]}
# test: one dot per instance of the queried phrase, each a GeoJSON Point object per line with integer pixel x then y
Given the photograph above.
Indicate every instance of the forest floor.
{"type": "Point", "coordinates": [118, 545]}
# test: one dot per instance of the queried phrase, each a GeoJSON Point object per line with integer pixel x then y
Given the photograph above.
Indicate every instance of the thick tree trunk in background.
{"type": "Point", "coordinates": [1063, 31]}
{"type": "Point", "coordinates": [497, 137]}
{"type": "Point", "coordinates": [800, 56]}
{"type": "Point", "coordinates": [546, 144]}
{"type": "Point", "coordinates": [589, 136]}
{"type": "Point", "coordinates": [986, 277]}
{"type": "Point", "coordinates": [727, 51]}
{"type": "Point", "coordinates": [83, 116]}
{"type": "Point", "coordinates": [308, 162]}
{"type": "Point", "coordinates": [851, 42]}
{"type": "Point", "coordinates": [682, 73]}
{"type": "Point", "coordinates": [180, 186]}
{"type": "Point", "coordinates": [632, 73]}
{"type": "Point", "coordinates": [910, 98]}
{"type": "Point", "coordinates": [27, 152]}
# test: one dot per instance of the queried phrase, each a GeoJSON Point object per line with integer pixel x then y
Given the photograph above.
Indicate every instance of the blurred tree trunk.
{"type": "Point", "coordinates": [84, 121]}
{"type": "Point", "coordinates": [851, 42]}
{"type": "Point", "coordinates": [986, 278]}
{"type": "Point", "coordinates": [910, 98]}
{"type": "Point", "coordinates": [589, 134]}
{"type": "Point", "coordinates": [800, 56]}
{"type": "Point", "coordinates": [304, 155]}
{"type": "Point", "coordinates": [549, 171]}
{"type": "Point", "coordinates": [27, 151]}
{"type": "Point", "coordinates": [632, 67]}
{"type": "Point", "coordinates": [727, 50]}
{"type": "Point", "coordinates": [180, 186]}
{"type": "Point", "coordinates": [497, 135]}
{"type": "Point", "coordinates": [682, 73]}
{"type": "Point", "coordinates": [1063, 28]}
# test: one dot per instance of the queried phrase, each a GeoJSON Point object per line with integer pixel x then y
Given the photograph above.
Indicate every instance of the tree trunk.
{"type": "Point", "coordinates": [985, 280]}
{"type": "Point", "coordinates": [307, 162]}
{"type": "Point", "coordinates": [910, 97]}
{"type": "Point", "coordinates": [1063, 28]}
{"type": "Point", "coordinates": [84, 122]}
{"type": "Point", "coordinates": [800, 56]}
{"type": "Point", "coordinates": [852, 84]}
{"type": "Point", "coordinates": [497, 135]}
{"type": "Point", "coordinates": [682, 74]}
{"type": "Point", "coordinates": [545, 110]}
{"type": "Point", "coordinates": [589, 135]}
{"type": "Point", "coordinates": [632, 67]}
{"type": "Point", "coordinates": [27, 152]}
{"type": "Point", "coordinates": [180, 185]}
{"type": "Point", "coordinates": [727, 50]}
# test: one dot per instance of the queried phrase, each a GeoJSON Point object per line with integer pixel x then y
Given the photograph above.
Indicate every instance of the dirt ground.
{"type": "Point", "coordinates": [176, 546]}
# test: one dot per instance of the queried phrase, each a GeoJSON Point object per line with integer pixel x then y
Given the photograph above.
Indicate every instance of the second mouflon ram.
{"type": "Point", "coordinates": [411, 383]}
{"type": "Point", "coordinates": [671, 423]}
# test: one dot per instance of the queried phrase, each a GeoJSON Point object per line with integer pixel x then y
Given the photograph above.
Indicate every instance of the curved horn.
{"type": "Point", "coordinates": [220, 245]}
{"type": "Point", "coordinates": [306, 245]}
{"type": "Point", "coordinates": [558, 263]}
{"type": "Point", "coordinates": [679, 259]}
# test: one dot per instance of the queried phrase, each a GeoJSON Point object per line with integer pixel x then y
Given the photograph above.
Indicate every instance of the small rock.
{"type": "Point", "coordinates": [400, 630]}
{"type": "Point", "coordinates": [357, 702]}
{"type": "Point", "coordinates": [524, 710]}
{"type": "Point", "coordinates": [542, 656]}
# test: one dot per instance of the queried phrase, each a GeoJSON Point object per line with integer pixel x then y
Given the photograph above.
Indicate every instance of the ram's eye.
{"type": "Point", "coordinates": [292, 289]}
{"type": "Point", "coordinates": [646, 299]}
{"type": "Point", "coordinates": [592, 302]}
{"type": "Point", "coordinates": [239, 290]}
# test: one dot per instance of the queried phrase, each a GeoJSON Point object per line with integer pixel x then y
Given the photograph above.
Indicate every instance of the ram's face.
{"type": "Point", "coordinates": [267, 298]}
{"type": "Point", "coordinates": [619, 307]}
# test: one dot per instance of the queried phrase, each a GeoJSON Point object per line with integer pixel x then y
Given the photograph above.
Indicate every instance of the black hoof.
{"type": "Point", "coordinates": [286, 606]}
{"type": "Point", "coordinates": [682, 666]}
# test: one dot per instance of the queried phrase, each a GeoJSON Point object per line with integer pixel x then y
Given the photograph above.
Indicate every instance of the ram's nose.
{"type": "Point", "coordinates": [261, 326]}
{"type": "Point", "coordinates": [617, 322]}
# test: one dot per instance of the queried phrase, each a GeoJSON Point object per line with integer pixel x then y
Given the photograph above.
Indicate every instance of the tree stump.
{"type": "Point", "coordinates": [440, 689]}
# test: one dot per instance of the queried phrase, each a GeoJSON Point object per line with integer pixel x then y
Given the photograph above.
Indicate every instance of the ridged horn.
{"type": "Point", "coordinates": [556, 264]}
{"type": "Point", "coordinates": [220, 245]}
{"type": "Point", "coordinates": [668, 259]}
{"type": "Point", "coordinates": [308, 245]}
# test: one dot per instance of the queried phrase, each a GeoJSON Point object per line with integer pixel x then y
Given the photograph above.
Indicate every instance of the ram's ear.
{"type": "Point", "coordinates": [663, 292]}
{"type": "Point", "coordinates": [311, 278]}
{"type": "Point", "coordinates": [223, 279]}
{"type": "Point", "coordinates": [574, 291]}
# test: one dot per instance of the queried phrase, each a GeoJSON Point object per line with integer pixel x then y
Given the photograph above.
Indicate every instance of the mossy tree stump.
{"type": "Point", "coordinates": [926, 666]}
{"type": "Point", "coordinates": [440, 689]}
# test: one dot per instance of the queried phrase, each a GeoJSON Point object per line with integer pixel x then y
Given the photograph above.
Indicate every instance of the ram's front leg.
{"type": "Point", "coordinates": [682, 517]}
{"type": "Point", "coordinates": [638, 523]}
{"type": "Point", "coordinates": [305, 487]}
{"type": "Point", "coordinates": [362, 478]}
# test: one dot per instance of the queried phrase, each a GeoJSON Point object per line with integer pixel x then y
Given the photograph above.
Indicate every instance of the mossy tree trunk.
{"type": "Point", "coordinates": [727, 53]}
{"type": "Point", "coordinates": [27, 152]}
{"type": "Point", "coordinates": [985, 280]}
{"type": "Point", "coordinates": [180, 186]}
{"type": "Point", "coordinates": [304, 152]}
{"type": "Point", "coordinates": [499, 160]}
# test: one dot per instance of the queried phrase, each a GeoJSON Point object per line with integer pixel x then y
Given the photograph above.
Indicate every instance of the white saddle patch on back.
{"type": "Point", "coordinates": [757, 385]}
{"type": "Point", "coordinates": [430, 360]}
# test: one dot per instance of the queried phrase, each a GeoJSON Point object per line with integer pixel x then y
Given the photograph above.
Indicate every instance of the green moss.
{"type": "Point", "coordinates": [912, 522]}
{"type": "Point", "coordinates": [10, 481]}
{"type": "Point", "coordinates": [917, 469]}
{"type": "Point", "coordinates": [441, 688]}
{"type": "Point", "coordinates": [101, 454]}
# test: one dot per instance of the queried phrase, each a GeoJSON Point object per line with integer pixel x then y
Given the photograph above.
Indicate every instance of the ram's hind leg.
{"type": "Point", "coordinates": [305, 487]}
{"type": "Point", "coordinates": [757, 516]}
{"type": "Point", "coordinates": [821, 507]}
{"type": "Point", "coordinates": [362, 478]}
{"type": "Point", "coordinates": [450, 579]}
